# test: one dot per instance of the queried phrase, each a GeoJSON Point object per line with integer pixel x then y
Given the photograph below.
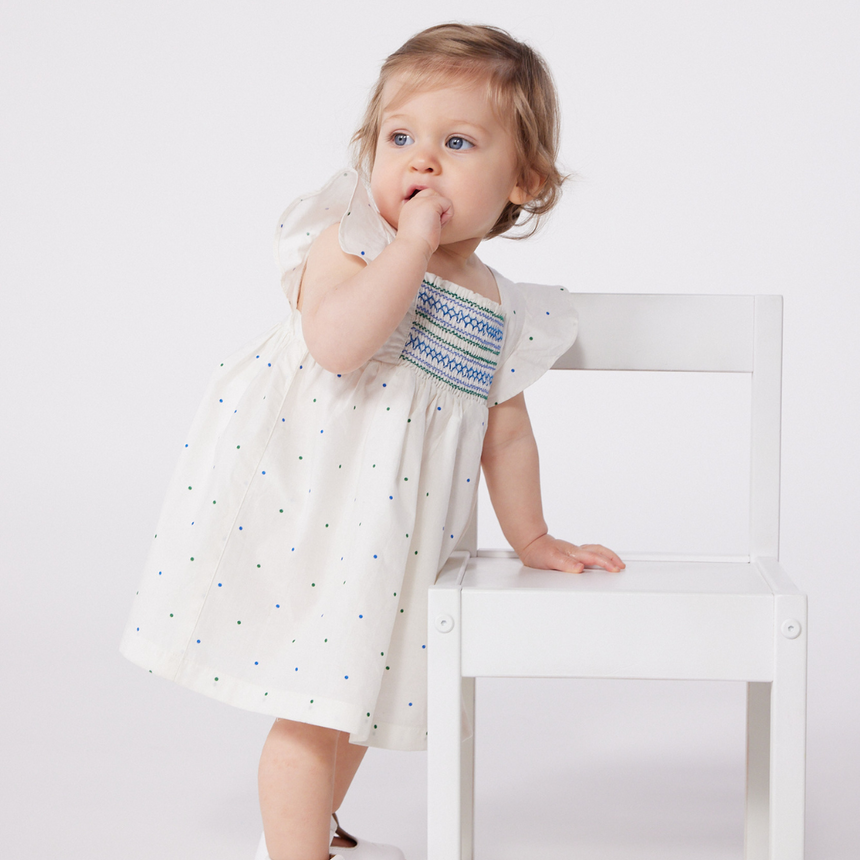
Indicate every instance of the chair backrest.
{"type": "Point", "coordinates": [677, 333]}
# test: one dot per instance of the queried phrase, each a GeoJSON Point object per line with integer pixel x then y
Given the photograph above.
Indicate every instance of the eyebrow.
{"type": "Point", "coordinates": [453, 122]}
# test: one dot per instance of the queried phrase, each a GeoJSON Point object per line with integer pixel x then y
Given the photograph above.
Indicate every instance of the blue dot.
{"type": "Point", "coordinates": [452, 535]}
{"type": "Point", "coordinates": [277, 606]}
{"type": "Point", "coordinates": [362, 253]}
{"type": "Point", "coordinates": [391, 497]}
{"type": "Point", "coordinates": [338, 376]}
{"type": "Point", "coordinates": [346, 677]}
{"type": "Point", "coordinates": [321, 431]}
{"type": "Point", "coordinates": [270, 364]}
{"type": "Point", "coordinates": [258, 356]}
{"type": "Point", "coordinates": [159, 573]}
{"type": "Point", "coordinates": [139, 629]}
{"type": "Point", "coordinates": [220, 399]}
{"type": "Point", "coordinates": [374, 556]}
{"type": "Point", "coordinates": [283, 419]}
{"type": "Point", "coordinates": [547, 313]}
{"type": "Point", "coordinates": [423, 646]}
{"type": "Point", "coordinates": [468, 480]}
{"type": "Point", "coordinates": [186, 444]}
{"type": "Point", "coordinates": [293, 549]}
{"type": "Point", "coordinates": [361, 616]}
{"type": "Point", "coordinates": [410, 704]}
{"type": "Point", "coordinates": [198, 641]}
{"type": "Point", "coordinates": [219, 585]}
{"type": "Point", "coordinates": [513, 370]}
{"type": "Point", "coordinates": [240, 528]}
{"type": "Point", "coordinates": [256, 663]}
{"type": "Point", "coordinates": [385, 385]}
{"type": "Point", "coordinates": [300, 366]}
{"type": "Point", "coordinates": [297, 668]}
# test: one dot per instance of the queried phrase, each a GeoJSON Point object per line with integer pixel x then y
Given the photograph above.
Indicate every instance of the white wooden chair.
{"type": "Point", "coordinates": [659, 619]}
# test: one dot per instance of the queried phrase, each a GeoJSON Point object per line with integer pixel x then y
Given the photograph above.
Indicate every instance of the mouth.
{"type": "Point", "coordinates": [414, 191]}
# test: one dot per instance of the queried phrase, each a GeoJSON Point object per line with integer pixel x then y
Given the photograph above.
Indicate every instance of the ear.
{"type": "Point", "coordinates": [524, 192]}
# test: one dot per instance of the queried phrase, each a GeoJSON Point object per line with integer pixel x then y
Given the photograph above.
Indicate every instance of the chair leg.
{"type": "Point", "coordinates": [467, 773]}
{"type": "Point", "coordinates": [444, 727]}
{"type": "Point", "coordinates": [788, 731]}
{"type": "Point", "coordinates": [776, 744]}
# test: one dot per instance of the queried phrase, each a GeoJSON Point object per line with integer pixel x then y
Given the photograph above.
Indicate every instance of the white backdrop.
{"type": "Point", "coordinates": [146, 151]}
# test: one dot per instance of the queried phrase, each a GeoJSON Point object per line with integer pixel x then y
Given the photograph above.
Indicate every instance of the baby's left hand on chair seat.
{"type": "Point", "coordinates": [549, 553]}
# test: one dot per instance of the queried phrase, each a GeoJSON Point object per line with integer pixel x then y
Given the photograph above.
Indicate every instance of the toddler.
{"type": "Point", "coordinates": [333, 465]}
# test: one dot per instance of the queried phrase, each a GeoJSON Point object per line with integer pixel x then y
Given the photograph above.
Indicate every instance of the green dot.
{"type": "Point", "coordinates": [374, 726]}
{"type": "Point", "coordinates": [265, 694]}
{"type": "Point", "coordinates": [531, 338]}
{"type": "Point", "coordinates": [222, 364]}
{"type": "Point", "coordinates": [313, 585]}
{"type": "Point", "coordinates": [192, 558]}
{"type": "Point", "coordinates": [408, 420]}
{"type": "Point", "coordinates": [258, 565]}
{"type": "Point", "coordinates": [401, 610]}
{"type": "Point", "coordinates": [325, 640]}
{"type": "Point", "coordinates": [326, 525]}
{"type": "Point", "coordinates": [388, 409]}
{"type": "Point", "coordinates": [300, 457]}
{"type": "Point", "coordinates": [428, 494]}
{"type": "Point", "coordinates": [374, 465]}
{"type": "Point", "coordinates": [189, 488]}
{"type": "Point", "coordinates": [171, 615]}
{"type": "Point", "coordinates": [213, 501]}
{"type": "Point", "coordinates": [406, 479]}
{"type": "Point", "coordinates": [381, 653]}
{"type": "Point", "coordinates": [216, 679]}
{"type": "Point", "coordinates": [239, 622]}
{"type": "Point", "coordinates": [280, 510]}
{"type": "Point", "coordinates": [395, 594]}
{"type": "Point", "coordinates": [294, 640]}
{"type": "Point", "coordinates": [416, 552]}
{"type": "Point", "coordinates": [368, 713]}
{"type": "Point", "coordinates": [388, 667]}
{"type": "Point", "coordinates": [312, 701]}
{"type": "Point", "coordinates": [339, 466]}
{"type": "Point", "coordinates": [238, 446]}
{"type": "Point", "coordinates": [407, 535]}
{"type": "Point", "coordinates": [315, 400]}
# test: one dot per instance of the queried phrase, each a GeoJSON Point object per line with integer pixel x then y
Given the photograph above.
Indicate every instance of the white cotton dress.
{"type": "Point", "coordinates": [310, 511]}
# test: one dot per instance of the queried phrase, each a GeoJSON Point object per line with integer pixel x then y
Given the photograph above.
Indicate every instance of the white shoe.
{"type": "Point", "coordinates": [263, 851]}
{"type": "Point", "coordinates": [362, 850]}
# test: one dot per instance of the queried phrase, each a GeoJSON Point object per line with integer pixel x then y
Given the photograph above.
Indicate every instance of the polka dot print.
{"type": "Point", "coordinates": [322, 506]}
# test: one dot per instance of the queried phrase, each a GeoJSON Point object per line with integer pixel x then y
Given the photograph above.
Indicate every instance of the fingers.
{"type": "Point", "coordinates": [602, 557]}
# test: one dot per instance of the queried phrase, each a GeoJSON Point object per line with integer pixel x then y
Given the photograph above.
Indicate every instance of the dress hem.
{"type": "Point", "coordinates": [327, 713]}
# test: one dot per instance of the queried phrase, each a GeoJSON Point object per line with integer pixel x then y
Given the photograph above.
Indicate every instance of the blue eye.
{"type": "Point", "coordinates": [401, 139]}
{"type": "Point", "coordinates": [459, 143]}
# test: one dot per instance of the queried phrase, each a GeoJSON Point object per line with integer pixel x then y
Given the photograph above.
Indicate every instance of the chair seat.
{"type": "Point", "coordinates": [656, 619]}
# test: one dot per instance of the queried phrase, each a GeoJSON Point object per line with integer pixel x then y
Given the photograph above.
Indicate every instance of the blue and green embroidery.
{"type": "Point", "coordinates": [455, 340]}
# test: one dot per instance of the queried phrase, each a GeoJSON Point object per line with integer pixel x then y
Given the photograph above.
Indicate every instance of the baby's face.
{"type": "Point", "coordinates": [448, 139]}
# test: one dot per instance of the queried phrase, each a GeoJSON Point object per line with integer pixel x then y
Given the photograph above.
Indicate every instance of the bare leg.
{"type": "Point", "coordinates": [296, 782]}
{"type": "Point", "coordinates": [349, 757]}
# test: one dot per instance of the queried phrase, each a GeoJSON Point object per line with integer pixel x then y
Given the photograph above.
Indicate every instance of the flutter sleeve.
{"type": "Point", "coordinates": [344, 198]}
{"type": "Point", "coordinates": [541, 323]}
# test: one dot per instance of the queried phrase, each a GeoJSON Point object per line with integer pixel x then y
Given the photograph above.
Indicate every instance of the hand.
{"type": "Point", "coordinates": [549, 553]}
{"type": "Point", "coordinates": [423, 217]}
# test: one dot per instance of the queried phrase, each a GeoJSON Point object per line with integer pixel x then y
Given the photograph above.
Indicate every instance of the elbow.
{"type": "Point", "coordinates": [331, 355]}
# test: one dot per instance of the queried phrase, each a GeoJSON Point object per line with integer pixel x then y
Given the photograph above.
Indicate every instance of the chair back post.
{"type": "Point", "coordinates": [766, 409]}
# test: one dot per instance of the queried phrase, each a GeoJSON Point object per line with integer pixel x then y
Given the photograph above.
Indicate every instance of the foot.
{"type": "Point", "coordinates": [350, 847]}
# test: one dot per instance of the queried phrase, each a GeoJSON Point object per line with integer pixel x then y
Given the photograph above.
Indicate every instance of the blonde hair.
{"type": "Point", "coordinates": [519, 86]}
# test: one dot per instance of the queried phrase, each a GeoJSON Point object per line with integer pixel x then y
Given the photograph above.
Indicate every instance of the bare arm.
{"type": "Point", "coordinates": [350, 308]}
{"type": "Point", "coordinates": [510, 463]}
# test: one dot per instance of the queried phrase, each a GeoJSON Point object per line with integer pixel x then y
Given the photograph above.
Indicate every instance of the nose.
{"type": "Point", "coordinates": [424, 159]}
